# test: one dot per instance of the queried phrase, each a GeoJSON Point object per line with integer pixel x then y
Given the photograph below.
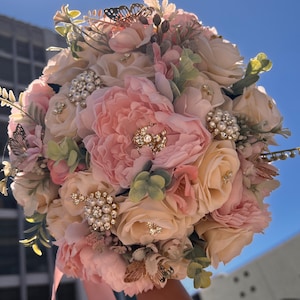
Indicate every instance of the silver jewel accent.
{"type": "Point", "coordinates": [82, 86]}
{"type": "Point", "coordinates": [222, 125]}
{"type": "Point", "coordinates": [154, 229]}
{"type": "Point", "coordinates": [100, 209]}
{"type": "Point", "coordinates": [279, 155]}
{"type": "Point", "coordinates": [58, 108]}
{"type": "Point", "coordinates": [156, 142]}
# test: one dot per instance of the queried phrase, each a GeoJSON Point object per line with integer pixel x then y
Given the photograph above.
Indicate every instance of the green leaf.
{"type": "Point", "coordinates": [74, 13]}
{"type": "Point", "coordinates": [156, 180]}
{"type": "Point", "coordinates": [61, 30]}
{"type": "Point", "coordinates": [156, 193]}
{"type": "Point", "coordinates": [37, 249]}
{"type": "Point", "coordinates": [72, 159]}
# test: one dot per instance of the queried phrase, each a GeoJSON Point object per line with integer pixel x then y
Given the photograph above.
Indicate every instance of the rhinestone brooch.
{"type": "Point", "coordinates": [156, 142]}
{"type": "Point", "coordinates": [82, 86]}
{"type": "Point", "coordinates": [100, 210]}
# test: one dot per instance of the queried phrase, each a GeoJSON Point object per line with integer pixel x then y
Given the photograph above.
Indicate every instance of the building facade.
{"type": "Point", "coordinates": [23, 275]}
{"type": "Point", "coordinates": [274, 276]}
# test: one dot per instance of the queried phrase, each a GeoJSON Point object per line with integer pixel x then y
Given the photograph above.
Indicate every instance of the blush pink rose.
{"type": "Point", "coordinates": [180, 24]}
{"type": "Point", "coordinates": [58, 171]}
{"type": "Point", "coordinates": [241, 211]}
{"type": "Point", "coordinates": [114, 115]}
{"type": "Point", "coordinates": [199, 97]}
{"type": "Point", "coordinates": [131, 37]}
{"type": "Point", "coordinates": [37, 95]}
{"type": "Point", "coordinates": [183, 191]}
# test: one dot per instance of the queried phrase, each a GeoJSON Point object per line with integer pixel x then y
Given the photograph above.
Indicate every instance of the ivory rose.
{"type": "Point", "coordinates": [221, 60]}
{"type": "Point", "coordinates": [63, 67]}
{"type": "Point", "coordinates": [259, 107]}
{"type": "Point", "coordinates": [81, 183]}
{"type": "Point", "coordinates": [34, 192]}
{"type": "Point", "coordinates": [135, 221]}
{"type": "Point", "coordinates": [216, 172]}
{"type": "Point", "coordinates": [58, 219]}
{"type": "Point", "coordinates": [61, 125]}
{"type": "Point", "coordinates": [131, 37]}
{"type": "Point", "coordinates": [113, 68]}
{"type": "Point", "coordinates": [223, 243]}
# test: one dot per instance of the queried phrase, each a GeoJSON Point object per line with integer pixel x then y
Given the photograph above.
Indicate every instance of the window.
{"type": "Point", "coordinates": [39, 54]}
{"type": "Point", "coordinates": [23, 49]}
{"type": "Point", "coordinates": [6, 69]}
{"type": "Point", "coordinates": [24, 73]}
{"type": "Point", "coordinates": [6, 44]}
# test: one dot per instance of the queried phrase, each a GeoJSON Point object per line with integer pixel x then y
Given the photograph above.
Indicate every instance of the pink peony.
{"type": "Point", "coordinates": [114, 115]}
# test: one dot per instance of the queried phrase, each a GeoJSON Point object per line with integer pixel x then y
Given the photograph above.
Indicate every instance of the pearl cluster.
{"type": "Point", "coordinates": [82, 86]}
{"type": "Point", "coordinates": [223, 125]}
{"type": "Point", "coordinates": [100, 210]}
{"type": "Point", "coordinates": [156, 142]}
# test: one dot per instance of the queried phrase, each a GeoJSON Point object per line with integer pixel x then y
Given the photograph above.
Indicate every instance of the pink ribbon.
{"type": "Point", "coordinates": [94, 291]}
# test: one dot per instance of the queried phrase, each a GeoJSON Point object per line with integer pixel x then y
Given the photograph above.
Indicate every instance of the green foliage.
{"type": "Point", "coordinates": [67, 150]}
{"type": "Point", "coordinates": [152, 184]}
{"type": "Point", "coordinates": [257, 65]}
{"type": "Point", "coordinates": [68, 25]}
{"type": "Point", "coordinates": [7, 98]}
{"type": "Point", "coordinates": [38, 234]}
{"type": "Point", "coordinates": [185, 71]}
{"type": "Point", "coordinates": [198, 262]}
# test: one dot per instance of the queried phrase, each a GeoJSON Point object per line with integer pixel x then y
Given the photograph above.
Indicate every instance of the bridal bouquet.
{"type": "Point", "coordinates": [142, 150]}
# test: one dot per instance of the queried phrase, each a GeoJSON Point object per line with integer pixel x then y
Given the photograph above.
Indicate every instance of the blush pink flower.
{"type": "Point", "coordinates": [37, 97]}
{"type": "Point", "coordinates": [183, 191]}
{"type": "Point", "coordinates": [131, 37]}
{"type": "Point", "coordinates": [221, 60]}
{"type": "Point", "coordinates": [113, 117]}
{"type": "Point", "coordinates": [241, 211]}
{"type": "Point", "coordinates": [58, 171]}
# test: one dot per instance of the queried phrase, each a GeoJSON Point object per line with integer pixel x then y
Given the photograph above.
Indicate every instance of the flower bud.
{"type": "Point", "coordinates": [165, 25]}
{"type": "Point", "coordinates": [156, 20]}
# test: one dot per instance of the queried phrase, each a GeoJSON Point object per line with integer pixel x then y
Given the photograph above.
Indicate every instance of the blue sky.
{"type": "Point", "coordinates": [255, 26]}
